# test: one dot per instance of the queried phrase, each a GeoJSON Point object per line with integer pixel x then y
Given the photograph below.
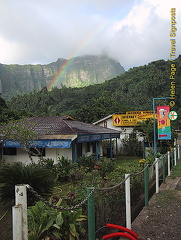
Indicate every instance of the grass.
{"type": "Point", "coordinates": [176, 171]}
{"type": "Point", "coordinates": [124, 160]}
{"type": "Point", "coordinates": [166, 196]}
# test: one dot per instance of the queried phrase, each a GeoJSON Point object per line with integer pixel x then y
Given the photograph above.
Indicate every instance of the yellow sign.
{"type": "Point", "coordinates": [131, 118]}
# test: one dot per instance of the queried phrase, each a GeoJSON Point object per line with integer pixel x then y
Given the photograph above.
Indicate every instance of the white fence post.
{"type": "Point", "coordinates": [178, 151]}
{"type": "Point", "coordinates": [168, 157]}
{"type": "Point", "coordinates": [21, 199]}
{"type": "Point", "coordinates": [175, 156]}
{"type": "Point", "coordinates": [128, 201]}
{"type": "Point", "coordinates": [17, 222]}
{"type": "Point", "coordinates": [157, 174]}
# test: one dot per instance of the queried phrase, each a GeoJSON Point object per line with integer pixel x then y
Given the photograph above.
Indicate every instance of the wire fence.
{"type": "Point", "coordinates": [110, 204]}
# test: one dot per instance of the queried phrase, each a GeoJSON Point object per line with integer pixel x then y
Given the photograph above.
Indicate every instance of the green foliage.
{"type": "Point", "coordinates": [83, 71]}
{"type": "Point", "coordinates": [45, 222]}
{"type": "Point", "coordinates": [133, 90]}
{"type": "Point", "coordinates": [87, 162]}
{"type": "Point", "coordinates": [63, 168]}
{"type": "Point", "coordinates": [38, 177]}
{"type": "Point", "coordinates": [40, 219]}
{"type": "Point", "coordinates": [176, 171]}
{"type": "Point", "coordinates": [106, 167]}
{"type": "Point", "coordinates": [132, 147]}
{"type": "Point", "coordinates": [146, 127]}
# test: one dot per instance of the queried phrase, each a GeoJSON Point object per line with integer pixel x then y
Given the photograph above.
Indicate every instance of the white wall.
{"type": "Point", "coordinates": [54, 153]}
{"type": "Point", "coordinates": [124, 132]}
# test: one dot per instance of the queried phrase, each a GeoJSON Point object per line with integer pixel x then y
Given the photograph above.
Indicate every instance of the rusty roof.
{"type": "Point", "coordinates": [65, 125]}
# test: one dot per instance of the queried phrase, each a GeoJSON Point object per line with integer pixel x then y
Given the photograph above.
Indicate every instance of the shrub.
{"type": "Point", "coordinates": [47, 223]}
{"type": "Point", "coordinates": [63, 168]}
{"type": "Point", "coordinates": [38, 177]}
{"type": "Point", "coordinates": [106, 167]}
{"type": "Point", "coordinates": [87, 162]}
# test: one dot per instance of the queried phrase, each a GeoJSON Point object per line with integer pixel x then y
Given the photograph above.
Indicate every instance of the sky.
{"type": "Point", "coordinates": [133, 32]}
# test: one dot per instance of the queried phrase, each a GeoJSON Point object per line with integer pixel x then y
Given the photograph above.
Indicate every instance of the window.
{"type": "Point", "coordinates": [34, 152]}
{"type": "Point", "coordinates": [9, 151]}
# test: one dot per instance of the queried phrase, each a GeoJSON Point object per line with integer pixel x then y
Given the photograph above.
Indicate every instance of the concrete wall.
{"type": "Point", "coordinates": [54, 153]}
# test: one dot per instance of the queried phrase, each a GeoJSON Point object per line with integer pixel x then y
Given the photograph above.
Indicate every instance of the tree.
{"type": "Point", "coordinates": [146, 127]}
{"type": "Point", "coordinates": [22, 132]}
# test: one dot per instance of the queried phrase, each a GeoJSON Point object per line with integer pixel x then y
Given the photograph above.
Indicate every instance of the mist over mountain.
{"type": "Point", "coordinates": [77, 72]}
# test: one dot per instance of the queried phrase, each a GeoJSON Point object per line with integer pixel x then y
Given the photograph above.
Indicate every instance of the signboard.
{"type": "Point", "coordinates": [172, 115]}
{"type": "Point", "coordinates": [131, 118]}
{"type": "Point", "coordinates": [164, 130]}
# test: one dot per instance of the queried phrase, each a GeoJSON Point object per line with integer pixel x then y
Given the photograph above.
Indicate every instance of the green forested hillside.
{"type": "Point", "coordinates": [133, 90]}
{"type": "Point", "coordinates": [76, 72]}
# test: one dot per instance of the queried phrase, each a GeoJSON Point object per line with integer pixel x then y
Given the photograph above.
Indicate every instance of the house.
{"type": "Point", "coordinates": [60, 136]}
{"type": "Point", "coordinates": [124, 123]}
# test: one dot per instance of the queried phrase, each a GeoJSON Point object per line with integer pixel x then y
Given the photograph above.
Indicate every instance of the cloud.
{"type": "Point", "coordinates": [144, 33]}
{"type": "Point", "coordinates": [133, 32]}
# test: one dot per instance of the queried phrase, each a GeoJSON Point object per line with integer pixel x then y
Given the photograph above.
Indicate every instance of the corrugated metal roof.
{"type": "Point", "coordinates": [64, 125]}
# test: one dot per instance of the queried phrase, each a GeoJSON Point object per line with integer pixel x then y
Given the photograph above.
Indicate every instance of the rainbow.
{"type": "Point", "coordinates": [67, 63]}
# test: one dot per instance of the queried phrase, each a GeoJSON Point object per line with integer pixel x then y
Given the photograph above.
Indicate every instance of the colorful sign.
{"type": "Point", "coordinates": [172, 115]}
{"type": "Point", "coordinates": [131, 118]}
{"type": "Point", "coordinates": [164, 130]}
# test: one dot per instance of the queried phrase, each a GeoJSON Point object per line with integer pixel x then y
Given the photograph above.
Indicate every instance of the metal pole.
{"type": "Point", "coordinates": [154, 129]}
{"type": "Point", "coordinates": [163, 168]}
{"type": "Point", "coordinates": [21, 198]}
{"type": "Point", "coordinates": [168, 155]}
{"type": "Point", "coordinates": [17, 222]}
{"type": "Point", "coordinates": [146, 184]}
{"type": "Point", "coordinates": [91, 215]}
{"type": "Point", "coordinates": [128, 201]}
{"type": "Point", "coordinates": [157, 175]}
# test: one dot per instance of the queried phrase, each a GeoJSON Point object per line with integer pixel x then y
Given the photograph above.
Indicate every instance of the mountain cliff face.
{"type": "Point", "coordinates": [77, 72]}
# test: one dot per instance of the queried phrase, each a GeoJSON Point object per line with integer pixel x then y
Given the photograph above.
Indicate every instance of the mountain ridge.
{"type": "Point", "coordinates": [76, 72]}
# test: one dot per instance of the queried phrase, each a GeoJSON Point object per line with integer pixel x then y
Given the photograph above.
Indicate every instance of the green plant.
{"type": "Point", "coordinates": [38, 177]}
{"type": "Point", "coordinates": [63, 168]}
{"type": "Point", "coordinates": [106, 167]}
{"type": "Point", "coordinates": [47, 162]}
{"type": "Point", "coordinates": [40, 219]}
{"type": "Point", "coordinates": [48, 223]}
{"type": "Point", "coordinates": [176, 171]}
{"type": "Point", "coordinates": [87, 162]}
{"type": "Point", "coordinates": [131, 146]}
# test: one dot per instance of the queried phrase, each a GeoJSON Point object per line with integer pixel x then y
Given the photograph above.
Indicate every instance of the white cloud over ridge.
{"type": "Point", "coordinates": [134, 32]}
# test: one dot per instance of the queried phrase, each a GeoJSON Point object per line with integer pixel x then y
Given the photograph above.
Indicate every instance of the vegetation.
{"type": "Point", "coordinates": [133, 90]}
{"type": "Point", "coordinates": [38, 177]}
{"type": "Point", "coordinates": [47, 223]}
{"type": "Point", "coordinates": [81, 71]}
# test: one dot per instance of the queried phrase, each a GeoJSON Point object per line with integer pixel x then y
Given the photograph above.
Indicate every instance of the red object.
{"type": "Point", "coordinates": [119, 234]}
{"type": "Point", "coordinates": [117, 120]}
{"type": "Point", "coordinates": [126, 232]}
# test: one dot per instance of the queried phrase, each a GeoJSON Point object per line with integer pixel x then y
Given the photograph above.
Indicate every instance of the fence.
{"type": "Point", "coordinates": [122, 192]}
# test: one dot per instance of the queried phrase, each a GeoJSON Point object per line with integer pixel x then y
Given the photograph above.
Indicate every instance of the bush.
{"type": "Point", "coordinates": [38, 177]}
{"type": "Point", "coordinates": [87, 162]}
{"type": "Point", "coordinates": [132, 147]}
{"type": "Point", "coordinates": [47, 223]}
{"type": "Point", "coordinates": [63, 168]}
